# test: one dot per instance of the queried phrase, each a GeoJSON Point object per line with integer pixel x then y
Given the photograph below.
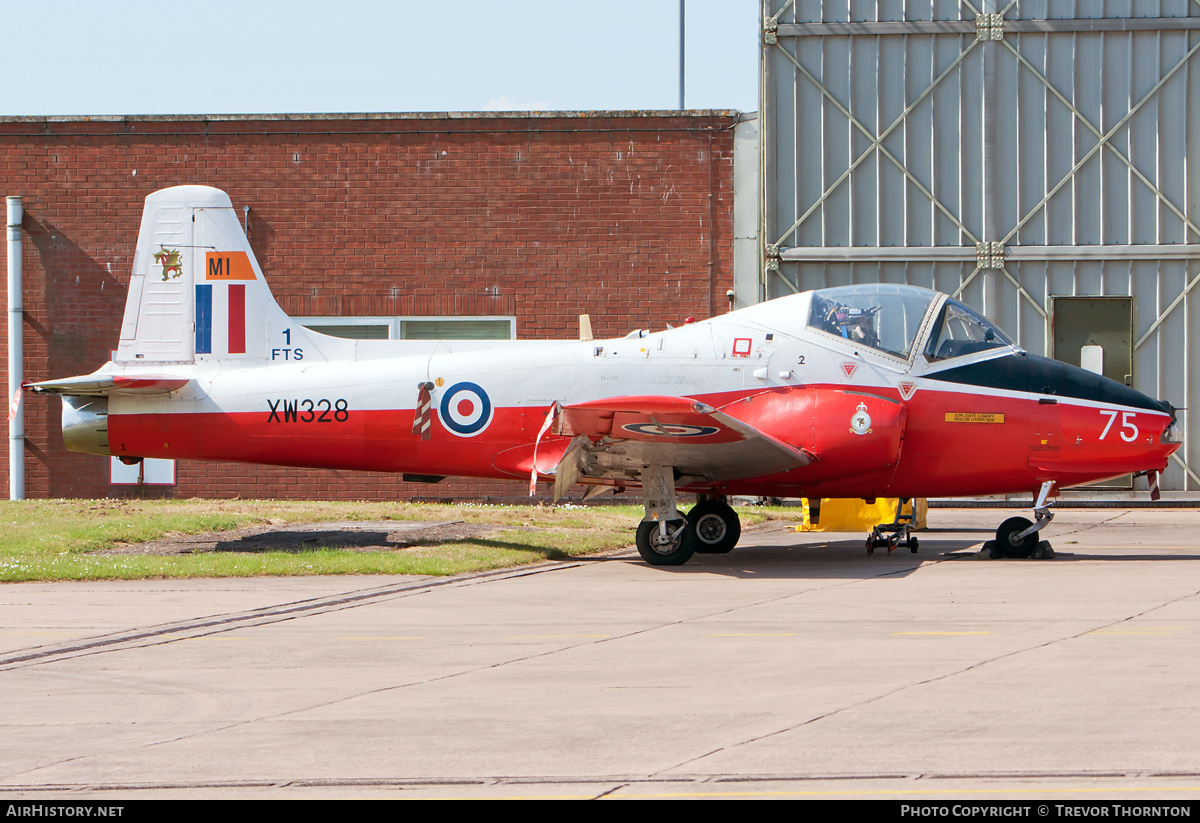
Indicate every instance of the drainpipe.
{"type": "Point", "coordinates": [16, 366]}
{"type": "Point", "coordinates": [681, 62]}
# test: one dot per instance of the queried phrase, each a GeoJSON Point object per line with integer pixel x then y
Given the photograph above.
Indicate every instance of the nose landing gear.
{"type": "Point", "coordinates": [1017, 537]}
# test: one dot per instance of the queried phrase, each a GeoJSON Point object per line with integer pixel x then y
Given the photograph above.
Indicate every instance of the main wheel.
{"type": "Point", "coordinates": [1008, 542]}
{"type": "Point", "coordinates": [675, 550]}
{"type": "Point", "coordinates": [716, 525]}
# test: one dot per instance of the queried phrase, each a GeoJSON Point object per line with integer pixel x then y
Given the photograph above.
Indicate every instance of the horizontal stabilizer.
{"type": "Point", "coordinates": [102, 385]}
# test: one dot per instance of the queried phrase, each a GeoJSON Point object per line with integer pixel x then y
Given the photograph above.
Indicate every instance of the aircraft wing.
{"type": "Point", "coordinates": [100, 385]}
{"type": "Point", "coordinates": [695, 438]}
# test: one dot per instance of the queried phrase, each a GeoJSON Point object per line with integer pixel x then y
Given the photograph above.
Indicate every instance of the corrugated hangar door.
{"type": "Point", "coordinates": [1008, 152]}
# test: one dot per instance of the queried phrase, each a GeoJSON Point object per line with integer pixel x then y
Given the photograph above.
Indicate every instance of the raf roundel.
{"type": "Point", "coordinates": [465, 409]}
{"type": "Point", "coordinates": [669, 429]}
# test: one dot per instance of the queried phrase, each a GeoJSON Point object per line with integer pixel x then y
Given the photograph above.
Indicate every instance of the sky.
{"type": "Point", "coordinates": [71, 57]}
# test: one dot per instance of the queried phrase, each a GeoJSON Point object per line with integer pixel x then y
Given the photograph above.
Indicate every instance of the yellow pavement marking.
{"type": "Point", "coordinates": [939, 633]}
{"type": "Point", "coordinates": [757, 634]}
{"type": "Point", "coordinates": [553, 637]}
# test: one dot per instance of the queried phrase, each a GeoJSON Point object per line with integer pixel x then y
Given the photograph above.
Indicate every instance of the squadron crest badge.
{"type": "Point", "coordinates": [860, 422]}
{"type": "Point", "coordinates": [171, 262]}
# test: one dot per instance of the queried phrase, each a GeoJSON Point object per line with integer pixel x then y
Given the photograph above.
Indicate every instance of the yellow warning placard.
{"type": "Point", "coordinates": [973, 417]}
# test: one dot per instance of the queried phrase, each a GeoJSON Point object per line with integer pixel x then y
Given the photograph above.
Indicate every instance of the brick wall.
{"type": "Point", "coordinates": [626, 216]}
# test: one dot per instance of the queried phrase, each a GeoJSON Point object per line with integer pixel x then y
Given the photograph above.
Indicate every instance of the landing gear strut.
{"type": "Point", "coordinates": [1017, 537]}
{"type": "Point", "coordinates": [664, 537]}
{"type": "Point", "coordinates": [897, 532]}
{"type": "Point", "coordinates": [716, 525]}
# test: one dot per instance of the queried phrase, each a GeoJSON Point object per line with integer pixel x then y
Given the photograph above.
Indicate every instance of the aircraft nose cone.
{"type": "Point", "coordinates": [1065, 380]}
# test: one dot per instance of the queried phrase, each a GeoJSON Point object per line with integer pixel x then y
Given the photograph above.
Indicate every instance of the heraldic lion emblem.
{"type": "Point", "coordinates": [171, 263]}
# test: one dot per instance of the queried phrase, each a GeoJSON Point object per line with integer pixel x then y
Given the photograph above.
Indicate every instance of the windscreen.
{"type": "Point", "coordinates": [876, 315]}
{"type": "Point", "coordinates": [958, 331]}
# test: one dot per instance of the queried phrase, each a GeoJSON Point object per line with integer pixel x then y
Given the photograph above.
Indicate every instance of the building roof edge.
{"type": "Point", "coordinates": [335, 116]}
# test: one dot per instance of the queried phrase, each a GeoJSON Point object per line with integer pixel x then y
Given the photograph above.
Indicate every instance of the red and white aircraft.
{"type": "Point", "coordinates": [875, 390]}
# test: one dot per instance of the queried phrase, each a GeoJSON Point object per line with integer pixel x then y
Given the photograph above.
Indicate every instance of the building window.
{"type": "Point", "coordinates": [414, 328]}
{"type": "Point", "coordinates": [457, 328]}
{"type": "Point", "coordinates": [152, 471]}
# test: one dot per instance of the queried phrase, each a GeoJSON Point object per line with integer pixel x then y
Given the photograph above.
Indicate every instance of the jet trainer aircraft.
{"type": "Point", "coordinates": [874, 390]}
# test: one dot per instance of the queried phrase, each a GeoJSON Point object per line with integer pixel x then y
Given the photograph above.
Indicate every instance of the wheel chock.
{"type": "Point", "coordinates": [991, 551]}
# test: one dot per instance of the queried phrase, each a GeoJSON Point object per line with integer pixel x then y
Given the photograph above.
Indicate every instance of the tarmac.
{"type": "Point", "coordinates": [796, 666]}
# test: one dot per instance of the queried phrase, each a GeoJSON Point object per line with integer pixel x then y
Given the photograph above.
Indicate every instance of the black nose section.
{"type": "Point", "coordinates": [1066, 380]}
{"type": "Point", "coordinates": [1041, 375]}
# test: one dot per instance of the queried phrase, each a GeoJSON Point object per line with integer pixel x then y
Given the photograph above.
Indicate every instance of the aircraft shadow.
{"type": "Point", "coordinates": [848, 560]}
{"type": "Point", "coordinates": [306, 541]}
{"type": "Point", "coordinates": [364, 540]}
{"type": "Point", "coordinates": [827, 560]}
{"type": "Point", "coordinates": [1124, 558]}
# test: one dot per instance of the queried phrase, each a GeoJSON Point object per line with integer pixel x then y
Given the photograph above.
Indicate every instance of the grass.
{"type": "Point", "coordinates": [73, 539]}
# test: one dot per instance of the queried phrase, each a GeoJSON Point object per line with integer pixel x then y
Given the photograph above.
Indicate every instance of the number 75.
{"type": "Point", "coordinates": [1126, 423]}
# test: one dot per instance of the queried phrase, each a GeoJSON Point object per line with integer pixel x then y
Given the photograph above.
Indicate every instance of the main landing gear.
{"type": "Point", "coordinates": [897, 532]}
{"type": "Point", "coordinates": [716, 525]}
{"type": "Point", "coordinates": [666, 537]}
{"type": "Point", "coordinates": [666, 542]}
{"type": "Point", "coordinates": [1017, 537]}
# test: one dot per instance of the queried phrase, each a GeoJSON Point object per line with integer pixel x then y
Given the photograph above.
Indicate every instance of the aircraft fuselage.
{"type": "Point", "coordinates": [1003, 424]}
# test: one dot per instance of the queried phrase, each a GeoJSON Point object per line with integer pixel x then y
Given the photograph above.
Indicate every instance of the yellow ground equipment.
{"type": "Point", "coordinates": [855, 514]}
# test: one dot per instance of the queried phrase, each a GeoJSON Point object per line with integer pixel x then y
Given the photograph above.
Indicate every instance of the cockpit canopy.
{"type": "Point", "coordinates": [889, 317]}
{"type": "Point", "coordinates": [879, 316]}
{"type": "Point", "coordinates": [958, 331]}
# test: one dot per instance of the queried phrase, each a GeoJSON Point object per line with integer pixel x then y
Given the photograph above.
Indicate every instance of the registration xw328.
{"type": "Point", "coordinates": [308, 411]}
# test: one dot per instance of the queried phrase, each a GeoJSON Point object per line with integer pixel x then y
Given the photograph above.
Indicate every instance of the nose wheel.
{"type": "Point", "coordinates": [1010, 541]}
{"type": "Point", "coordinates": [1017, 537]}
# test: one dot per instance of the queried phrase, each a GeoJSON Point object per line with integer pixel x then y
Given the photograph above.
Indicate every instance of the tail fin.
{"type": "Point", "coordinates": [197, 294]}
